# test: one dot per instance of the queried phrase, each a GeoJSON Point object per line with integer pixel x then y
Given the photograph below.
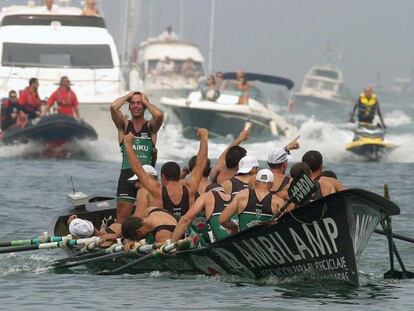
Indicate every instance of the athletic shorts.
{"type": "Point", "coordinates": [126, 191]}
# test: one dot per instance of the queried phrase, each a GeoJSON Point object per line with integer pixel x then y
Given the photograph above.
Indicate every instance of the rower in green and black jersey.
{"type": "Point", "coordinates": [247, 168]}
{"type": "Point", "coordinates": [145, 136]}
{"type": "Point", "coordinates": [211, 203]}
{"type": "Point", "coordinates": [253, 206]}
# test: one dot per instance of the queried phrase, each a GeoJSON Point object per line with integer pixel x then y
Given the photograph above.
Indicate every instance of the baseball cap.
{"type": "Point", "coordinates": [264, 175]}
{"type": "Point", "coordinates": [81, 228]}
{"type": "Point", "coordinates": [246, 164]}
{"type": "Point", "coordinates": [148, 169]}
{"type": "Point", "coordinates": [277, 156]}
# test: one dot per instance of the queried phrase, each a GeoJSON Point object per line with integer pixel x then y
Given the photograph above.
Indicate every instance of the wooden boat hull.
{"type": "Point", "coordinates": [321, 240]}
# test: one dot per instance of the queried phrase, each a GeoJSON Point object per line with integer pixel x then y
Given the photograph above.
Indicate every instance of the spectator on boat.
{"type": "Point", "coordinates": [314, 160]}
{"type": "Point", "coordinates": [176, 194]}
{"type": "Point", "coordinates": [168, 34]}
{"type": "Point", "coordinates": [367, 106]}
{"type": "Point", "coordinates": [65, 98]}
{"type": "Point", "coordinates": [10, 109]}
{"type": "Point", "coordinates": [90, 8]}
{"type": "Point", "coordinates": [253, 206]}
{"type": "Point", "coordinates": [323, 188]}
{"type": "Point", "coordinates": [244, 89]}
{"type": "Point", "coordinates": [244, 178]}
{"type": "Point", "coordinates": [165, 66]}
{"type": "Point", "coordinates": [277, 161]}
{"type": "Point", "coordinates": [220, 84]}
{"type": "Point", "coordinates": [144, 133]}
{"type": "Point", "coordinates": [228, 162]}
{"type": "Point", "coordinates": [188, 68]}
{"type": "Point", "coordinates": [210, 91]}
{"type": "Point", "coordinates": [49, 6]}
{"type": "Point", "coordinates": [29, 100]}
{"type": "Point", "coordinates": [211, 204]}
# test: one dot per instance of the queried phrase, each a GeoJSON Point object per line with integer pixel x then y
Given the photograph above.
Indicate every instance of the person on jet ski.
{"type": "Point", "coordinates": [367, 105]}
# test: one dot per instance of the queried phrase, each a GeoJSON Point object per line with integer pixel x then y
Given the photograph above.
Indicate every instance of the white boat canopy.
{"type": "Point", "coordinates": [174, 49]}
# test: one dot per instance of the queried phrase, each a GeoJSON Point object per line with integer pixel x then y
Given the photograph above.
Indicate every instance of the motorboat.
{"type": "Point", "coordinates": [54, 129]}
{"type": "Point", "coordinates": [225, 116]}
{"type": "Point", "coordinates": [323, 88]}
{"type": "Point", "coordinates": [369, 142]}
{"type": "Point", "coordinates": [47, 45]}
{"type": "Point", "coordinates": [168, 66]}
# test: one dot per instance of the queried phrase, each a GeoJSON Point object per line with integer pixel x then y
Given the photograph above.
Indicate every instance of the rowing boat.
{"type": "Point", "coordinates": [323, 239]}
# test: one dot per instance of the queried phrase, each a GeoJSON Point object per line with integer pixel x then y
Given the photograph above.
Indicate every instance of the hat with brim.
{"type": "Point", "coordinates": [81, 228]}
{"type": "Point", "coordinates": [277, 156]}
{"type": "Point", "coordinates": [265, 176]}
{"type": "Point", "coordinates": [246, 164]}
{"type": "Point", "coordinates": [148, 169]}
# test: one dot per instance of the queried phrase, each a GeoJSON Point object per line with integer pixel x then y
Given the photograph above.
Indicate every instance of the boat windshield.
{"type": "Point", "coordinates": [326, 73]}
{"type": "Point", "coordinates": [50, 55]}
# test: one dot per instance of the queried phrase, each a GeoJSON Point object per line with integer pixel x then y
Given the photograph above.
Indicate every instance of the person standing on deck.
{"type": "Point", "coordinates": [29, 100]}
{"type": "Point", "coordinates": [367, 106]}
{"type": "Point", "coordinates": [144, 139]}
{"type": "Point", "coordinates": [90, 8]}
{"type": "Point", "coordinates": [65, 98]}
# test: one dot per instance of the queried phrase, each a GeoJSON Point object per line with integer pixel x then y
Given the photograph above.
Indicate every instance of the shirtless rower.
{"type": "Point", "coordinates": [253, 205]}
{"type": "Point", "coordinates": [314, 160]}
{"type": "Point", "coordinates": [175, 194]}
{"type": "Point", "coordinates": [145, 133]}
{"type": "Point", "coordinates": [204, 180]}
{"type": "Point", "coordinates": [248, 166]}
{"type": "Point", "coordinates": [227, 164]}
{"type": "Point", "coordinates": [211, 204]}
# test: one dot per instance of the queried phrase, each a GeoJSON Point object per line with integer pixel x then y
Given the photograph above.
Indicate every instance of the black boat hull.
{"type": "Point", "coordinates": [49, 129]}
{"type": "Point", "coordinates": [321, 240]}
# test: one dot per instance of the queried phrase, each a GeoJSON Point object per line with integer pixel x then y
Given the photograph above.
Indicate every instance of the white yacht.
{"type": "Point", "coordinates": [323, 87]}
{"type": "Point", "coordinates": [169, 66]}
{"type": "Point", "coordinates": [47, 45]}
{"type": "Point", "coordinates": [225, 116]}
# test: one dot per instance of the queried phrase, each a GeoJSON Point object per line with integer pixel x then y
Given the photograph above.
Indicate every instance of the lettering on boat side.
{"type": "Point", "coordinates": [364, 226]}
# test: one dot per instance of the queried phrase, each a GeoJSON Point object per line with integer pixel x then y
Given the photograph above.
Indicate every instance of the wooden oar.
{"type": "Point", "coordinates": [64, 243]}
{"type": "Point", "coordinates": [35, 241]}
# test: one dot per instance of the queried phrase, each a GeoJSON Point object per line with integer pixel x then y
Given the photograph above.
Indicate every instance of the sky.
{"type": "Point", "coordinates": [287, 37]}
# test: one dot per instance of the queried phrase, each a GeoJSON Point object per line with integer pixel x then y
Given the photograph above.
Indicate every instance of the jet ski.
{"type": "Point", "coordinates": [369, 142]}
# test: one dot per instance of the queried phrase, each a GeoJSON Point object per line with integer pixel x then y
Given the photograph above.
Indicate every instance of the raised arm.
{"type": "Point", "coordinates": [197, 173]}
{"type": "Point", "coordinates": [186, 220]}
{"type": "Point", "coordinates": [147, 182]}
{"type": "Point", "coordinates": [221, 162]}
{"type": "Point", "coordinates": [116, 113]}
{"type": "Point", "coordinates": [157, 115]}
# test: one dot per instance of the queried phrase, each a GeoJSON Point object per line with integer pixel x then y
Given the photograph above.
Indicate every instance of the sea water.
{"type": "Point", "coordinates": [33, 189]}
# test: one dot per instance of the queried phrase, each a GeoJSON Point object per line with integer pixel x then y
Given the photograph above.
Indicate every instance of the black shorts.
{"type": "Point", "coordinates": [126, 191]}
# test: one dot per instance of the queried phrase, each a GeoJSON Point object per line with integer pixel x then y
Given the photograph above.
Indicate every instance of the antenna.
{"type": "Point", "coordinates": [73, 185]}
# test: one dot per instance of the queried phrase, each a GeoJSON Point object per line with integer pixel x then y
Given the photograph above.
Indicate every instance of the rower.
{"type": "Point", "coordinates": [278, 162]}
{"type": "Point", "coordinates": [159, 222]}
{"type": "Point", "coordinates": [227, 164]}
{"type": "Point", "coordinates": [145, 137]}
{"type": "Point", "coordinates": [144, 199]}
{"type": "Point", "coordinates": [247, 168]}
{"type": "Point", "coordinates": [175, 194]}
{"type": "Point", "coordinates": [253, 205]}
{"type": "Point", "coordinates": [204, 180]}
{"type": "Point", "coordinates": [211, 204]}
{"type": "Point", "coordinates": [314, 160]}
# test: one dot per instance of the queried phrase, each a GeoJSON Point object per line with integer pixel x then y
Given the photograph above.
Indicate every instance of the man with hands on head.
{"type": "Point", "coordinates": [144, 137]}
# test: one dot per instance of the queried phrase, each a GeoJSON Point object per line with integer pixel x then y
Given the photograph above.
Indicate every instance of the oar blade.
{"type": "Point", "coordinates": [399, 275]}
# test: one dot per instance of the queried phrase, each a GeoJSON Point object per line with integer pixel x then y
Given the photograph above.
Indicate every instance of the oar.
{"type": "Point", "coordinates": [64, 243]}
{"type": "Point", "coordinates": [164, 249]}
{"type": "Point", "coordinates": [396, 236]}
{"type": "Point", "coordinates": [113, 249]}
{"type": "Point", "coordinates": [38, 240]}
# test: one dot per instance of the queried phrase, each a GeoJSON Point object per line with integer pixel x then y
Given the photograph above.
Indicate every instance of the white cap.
{"type": "Point", "coordinates": [148, 169]}
{"type": "Point", "coordinates": [81, 228]}
{"type": "Point", "coordinates": [277, 156]}
{"type": "Point", "coordinates": [246, 164]}
{"type": "Point", "coordinates": [264, 175]}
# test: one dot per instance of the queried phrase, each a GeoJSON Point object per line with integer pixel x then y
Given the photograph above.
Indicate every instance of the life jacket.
{"type": "Point", "coordinates": [143, 146]}
{"type": "Point", "coordinates": [367, 107]}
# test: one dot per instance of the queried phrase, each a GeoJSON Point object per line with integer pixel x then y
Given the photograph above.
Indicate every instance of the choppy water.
{"type": "Point", "coordinates": [32, 190]}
